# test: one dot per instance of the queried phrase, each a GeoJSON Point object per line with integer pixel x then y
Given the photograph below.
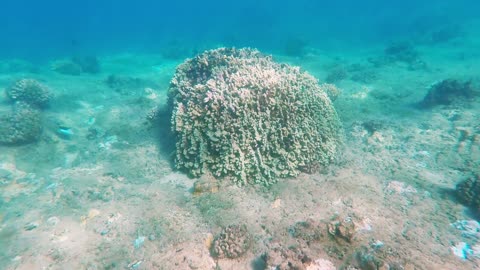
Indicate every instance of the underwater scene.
{"type": "Point", "coordinates": [231, 135]}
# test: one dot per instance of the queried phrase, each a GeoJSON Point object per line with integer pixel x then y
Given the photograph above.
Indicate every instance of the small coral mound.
{"type": "Point", "coordinates": [447, 92]}
{"type": "Point", "coordinates": [30, 91]}
{"type": "Point", "coordinates": [237, 113]}
{"type": "Point", "coordinates": [21, 125]}
{"type": "Point", "coordinates": [468, 192]}
{"type": "Point", "coordinates": [232, 242]}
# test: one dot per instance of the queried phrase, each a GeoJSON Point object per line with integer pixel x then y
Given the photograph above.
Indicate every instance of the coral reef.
{"type": "Point", "coordinates": [447, 92]}
{"type": "Point", "coordinates": [21, 125]}
{"type": "Point", "coordinates": [232, 242]}
{"type": "Point", "coordinates": [468, 192]}
{"type": "Point", "coordinates": [237, 113]}
{"type": "Point", "coordinates": [30, 91]}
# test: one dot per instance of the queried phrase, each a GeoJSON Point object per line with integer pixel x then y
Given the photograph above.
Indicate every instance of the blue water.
{"type": "Point", "coordinates": [44, 29]}
{"type": "Point", "coordinates": [87, 170]}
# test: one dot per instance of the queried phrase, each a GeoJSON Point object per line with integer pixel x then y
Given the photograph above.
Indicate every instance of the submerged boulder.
{"type": "Point", "coordinates": [237, 113]}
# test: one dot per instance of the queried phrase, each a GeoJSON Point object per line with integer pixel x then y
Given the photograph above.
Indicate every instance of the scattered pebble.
{"type": "Point", "coordinates": [400, 188]}
{"type": "Point", "coordinates": [462, 250]}
{"type": "Point", "coordinates": [363, 225]}
{"type": "Point", "coordinates": [30, 226]}
{"type": "Point", "coordinates": [138, 243]}
{"type": "Point", "coordinates": [91, 214]}
{"type": "Point", "coordinates": [321, 264]}
{"type": "Point", "coordinates": [52, 221]}
{"type": "Point", "coordinates": [376, 244]}
{"type": "Point", "coordinates": [52, 186]}
{"type": "Point", "coordinates": [469, 228]}
{"type": "Point", "coordinates": [150, 93]}
{"type": "Point", "coordinates": [277, 203]}
{"type": "Point", "coordinates": [108, 142]}
{"type": "Point", "coordinates": [205, 185]}
{"type": "Point", "coordinates": [65, 132]}
{"type": "Point", "coordinates": [135, 265]}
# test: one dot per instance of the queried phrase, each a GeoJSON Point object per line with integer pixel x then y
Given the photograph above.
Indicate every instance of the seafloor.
{"type": "Point", "coordinates": [106, 196]}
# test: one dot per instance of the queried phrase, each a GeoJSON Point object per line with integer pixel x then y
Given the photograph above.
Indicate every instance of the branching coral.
{"type": "Point", "coordinates": [236, 112]}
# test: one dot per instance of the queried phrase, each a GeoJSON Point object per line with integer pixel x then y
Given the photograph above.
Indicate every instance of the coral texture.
{"type": "Point", "coordinates": [468, 192]}
{"type": "Point", "coordinates": [21, 125]}
{"type": "Point", "coordinates": [237, 113]}
{"type": "Point", "coordinates": [30, 91]}
{"type": "Point", "coordinates": [232, 242]}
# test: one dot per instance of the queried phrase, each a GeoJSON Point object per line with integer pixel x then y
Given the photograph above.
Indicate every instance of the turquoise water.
{"type": "Point", "coordinates": [88, 159]}
{"type": "Point", "coordinates": [40, 30]}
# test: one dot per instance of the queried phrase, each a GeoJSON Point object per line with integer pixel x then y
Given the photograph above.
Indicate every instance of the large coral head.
{"type": "Point", "coordinates": [237, 113]}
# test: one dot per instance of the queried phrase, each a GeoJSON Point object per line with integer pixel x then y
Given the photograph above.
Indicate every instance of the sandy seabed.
{"type": "Point", "coordinates": [108, 198]}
